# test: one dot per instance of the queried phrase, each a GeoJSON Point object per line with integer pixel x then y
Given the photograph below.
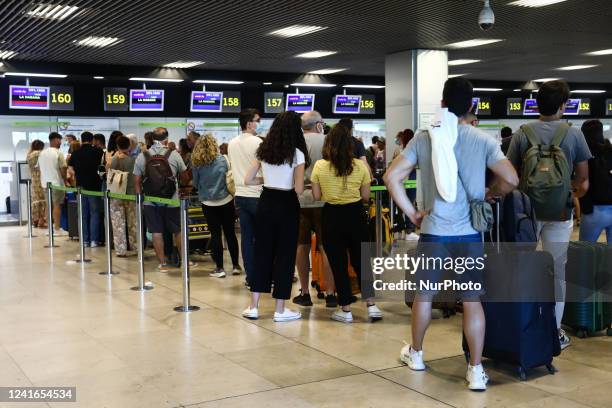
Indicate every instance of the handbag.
{"type": "Point", "coordinates": [229, 178]}
{"type": "Point", "coordinates": [117, 180]}
{"type": "Point", "coordinates": [481, 212]}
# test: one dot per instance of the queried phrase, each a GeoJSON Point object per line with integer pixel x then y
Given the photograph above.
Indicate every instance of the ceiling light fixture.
{"type": "Point", "coordinates": [589, 91]}
{"type": "Point", "coordinates": [487, 89]}
{"type": "Point", "coordinates": [297, 30]}
{"type": "Point", "coordinates": [462, 62]}
{"type": "Point", "coordinates": [142, 79]}
{"type": "Point", "coordinates": [575, 67]}
{"type": "Point", "coordinates": [477, 42]}
{"type": "Point", "coordinates": [546, 79]}
{"type": "Point", "coordinates": [51, 11]}
{"type": "Point", "coordinates": [600, 52]}
{"type": "Point", "coordinates": [98, 77]}
{"type": "Point", "coordinates": [7, 54]}
{"type": "Point", "coordinates": [316, 54]}
{"type": "Point", "coordinates": [457, 75]}
{"type": "Point", "coordinates": [32, 74]}
{"type": "Point", "coordinates": [365, 86]}
{"type": "Point", "coordinates": [267, 83]}
{"type": "Point", "coordinates": [213, 81]}
{"type": "Point", "coordinates": [309, 85]}
{"type": "Point", "coordinates": [327, 71]}
{"type": "Point", "coordinates": [97, 42]}
{"type": "Point", "coordinates": [183, 64]}
{"type": "Point", "coordinates": [534, 3]}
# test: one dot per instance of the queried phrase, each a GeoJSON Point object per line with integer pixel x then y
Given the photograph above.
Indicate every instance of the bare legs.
{"type": "Point", "coordinates": [280, 303]}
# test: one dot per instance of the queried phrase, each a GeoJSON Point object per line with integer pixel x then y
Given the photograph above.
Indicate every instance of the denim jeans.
{"type": "Point", "coordinates": [593, 224]}
{"type": "Point", "coordinates": [247, 207]}
{"type": "Point", "coordinates": [91, 219]}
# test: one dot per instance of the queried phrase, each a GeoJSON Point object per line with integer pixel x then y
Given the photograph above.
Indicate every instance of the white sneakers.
{"type": "Point", "coordinates": [412, 358]}
{"type": "Point", "coordinates": [342, 316]}
{"type": "Point", "coordinates": [564, 339]}
{"type": "Point", "coordinates": [374, 313]}
{"type": "Point", "coordinates": [412, 237]}
{"type": "Point", "coordinates": [287, 315]}
{"type": "Point", "coordinates": [477, 378]}
{"type": "Point", "coordinates": [218, 273]}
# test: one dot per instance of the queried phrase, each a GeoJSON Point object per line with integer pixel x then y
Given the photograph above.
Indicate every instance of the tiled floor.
{"type": "Point", "coordinates": [64, 325]}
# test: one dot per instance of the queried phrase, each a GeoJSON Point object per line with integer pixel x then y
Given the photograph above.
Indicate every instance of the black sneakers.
{"type": "Point", "coordinates": [331, 301]}
{"type": "Point", "coordinates": [302, 300]}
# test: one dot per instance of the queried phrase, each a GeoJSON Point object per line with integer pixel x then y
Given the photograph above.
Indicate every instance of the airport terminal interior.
{"type": "Point", "coordinates": [143, 293]}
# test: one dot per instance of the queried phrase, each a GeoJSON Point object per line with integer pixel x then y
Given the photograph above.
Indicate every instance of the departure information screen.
{"type": "Point", "coordinates": [347, 104]}
{"type": "Point", "coordinates": [300, 102]}
{"type": "Point", "coordinates": [202, 101]}
{"type": "Point", "coordinates": [232, 103]}
{"type": "Point", "coordinates": [368, 104]}
{"type": "Point", "coordinates": [514, 107]}
{"type": "Point", "coordinates": [273, 102]}
{"type": "Point", "coordinates": [115, 100]}
{"type": "Point", "coordinates": [531, 107]}
{"type": "Point", "coordinates": [481, 106]}
{"type": "Point", "coordinates": [585, 106]}
{"type": "Point", "coordinates": [572, 107]}
{"type": "Point", "coordinates": [28, 97]}
{"type": "Point", "coordinates": [62, 98]}
{"type": "Point", "coordinates": [147, 100]}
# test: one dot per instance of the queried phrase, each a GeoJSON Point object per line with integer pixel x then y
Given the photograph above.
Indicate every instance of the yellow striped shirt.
{"type": "Point", "coordinates": [340, 190]}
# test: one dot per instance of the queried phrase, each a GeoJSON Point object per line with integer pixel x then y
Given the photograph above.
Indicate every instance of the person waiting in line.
{"type": "Point", "coordinates": [506, 138]}
{"type": "Point", "coordinates": [85, 162]}
{"type": "Point", "coordinates": [359, 151]}
{"type": "Point", "coordinates": [209, 177]}
{"type": "Point", "coordinates": [381, 156]}
{"type": "Point", "coordinates": [403, 222]}
{"type": "Point", "coordinates": [241, 154]}
{"type": "Point", "coordinates": [310, 216]}
{"type": "Point", "coordinates": [343, 183]}
{"type": "Point", "coordinates": [596, 205]}
{"type": "Point", "coordinates": [469, 119]}
{"type": "Point", "coordinates": [123, 212]}
{"type": "Point", "coordinates": [135, 147]}
{"type": "Point", "coordinates": [192, 138]}
{"type": "Point", "coordinates": [445, 218]}
{"type": "Point", "coordinates": [148, 140]}
{"type": "Point", "coordinates": [555, 235]}
{"type": "Point", "coordinates": [38, 196]}
{"type": "Point", "coordinates": [111, 147]}
{"type": "Point", "coordinates": [53, 168]}
{"type": "Point", "coordinates": [70, 176]}
{"type": "Point", "coordinates": [223, 149]}
{"type": "Point", "coordinates": [160, 218]}
{"type": "Point", "coordinates": [99, 141]}
{"type": "Point", "coordinates": [371, 153]}
{"type": "Point", "coordinates": [281, 157]}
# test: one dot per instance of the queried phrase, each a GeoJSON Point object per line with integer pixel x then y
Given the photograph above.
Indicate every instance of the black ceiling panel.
{"type": "Point", "coordinates": [234, 34]}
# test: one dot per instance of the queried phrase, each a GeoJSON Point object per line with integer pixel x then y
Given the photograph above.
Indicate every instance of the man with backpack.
{"type": "Point", "coordinates": [155, 174]}
{"type": "Point", "coordinates": [546, 153]}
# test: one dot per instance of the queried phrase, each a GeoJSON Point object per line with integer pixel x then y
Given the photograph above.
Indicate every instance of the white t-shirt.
{"type": "Point", "coordinates": [50, 162]}
{"type": "Point", "coordinates": [241, 154]}
{"type": "Point", "coordinates": [281, 176]}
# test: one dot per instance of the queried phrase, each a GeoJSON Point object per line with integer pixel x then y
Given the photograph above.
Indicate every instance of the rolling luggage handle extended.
{"type": "Point", "coordinates": [186, 307]}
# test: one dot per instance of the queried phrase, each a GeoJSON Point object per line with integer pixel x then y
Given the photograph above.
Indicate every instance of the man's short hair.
{"type": "Point", "coordinates": [71, 136]}
{"type": "Point", "coordinates": [160, 134]}
{"type": "Point", "coordinates": [506, 132]}
{"type": "Point", "coordinates": [310, 120]}
{"type": "Point", "coordinates": [247, 116]}
{"type": "Point", "coordinates": [100, 138]}
{"type": "Point", "coordinates": [457, 95]}
{"type": "Point", "coordinates": [87, 137]}
{"type": "Point", "coordinates": [123, 143]}
{"type": "Point", "coordinates": [551, 96]}
{"type": "Point", "coordinates": [54, 135]}
{"type": "Point", "coordinates": [375, 139]}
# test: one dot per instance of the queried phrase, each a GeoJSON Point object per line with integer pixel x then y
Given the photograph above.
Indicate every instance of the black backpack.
{"type": "Point", "coordinates": [159, 181]}
{"type": "Point", "coordinates": [518, 219]}
{"type": "Point", "coordinates": [600, 177]}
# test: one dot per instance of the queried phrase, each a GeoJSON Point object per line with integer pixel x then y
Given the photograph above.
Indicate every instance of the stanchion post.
{"type": "Point", "coordinates": [379, 243]}
{"type": "Point", "coordinates": [51, 243]}
{"type": "Point", "coordinates": [392, 212]}
{"type": "Point", "coordinates": [29, 199]}
{"type": "Point", "coordinates": [107, 232]}
{"type": "Point", "coordinates": [82, 258]}
{"type": "Point", "coordinates": [186, 307]}
{"type": "Point", "coordinates": [140, 238]}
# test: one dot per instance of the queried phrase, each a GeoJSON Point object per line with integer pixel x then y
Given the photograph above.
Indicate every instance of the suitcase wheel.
{"type": "Point", "coordinates": [609, 331]}
{"type": "Point", "coordinates": [551, 368]}
{"type": "Point", "coordinates": [522, 374]}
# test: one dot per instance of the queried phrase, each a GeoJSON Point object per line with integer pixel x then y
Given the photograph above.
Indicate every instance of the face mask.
{"type": "Point", "coordinates": [260, 128]}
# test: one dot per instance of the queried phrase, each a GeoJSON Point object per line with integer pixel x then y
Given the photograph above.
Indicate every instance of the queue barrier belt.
{"type": "Point", "coordinates": [127, 197]}
{"type": "Point", "coordinates": [410, 184]}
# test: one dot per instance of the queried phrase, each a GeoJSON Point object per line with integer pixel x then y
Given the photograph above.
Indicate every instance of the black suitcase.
{"type": "Point", "coordinates": [73, 219]}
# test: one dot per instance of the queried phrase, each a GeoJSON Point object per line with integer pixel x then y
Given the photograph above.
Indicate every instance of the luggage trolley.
{"type": "Point", "coordinates": [198, 232]}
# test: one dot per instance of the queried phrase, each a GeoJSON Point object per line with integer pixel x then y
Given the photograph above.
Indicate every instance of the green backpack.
{"type": "Point", "coordinates": [546, 176]}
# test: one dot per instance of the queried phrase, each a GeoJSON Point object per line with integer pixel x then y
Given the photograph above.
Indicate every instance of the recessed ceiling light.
{"type": "Point", "coordinates": [7, 54]}
{"type": "Point", "coordinates": [309, 85]}
{"type": "Point", "coordinates": [31, 74]}
{"type": "Point", "coordinates": [600, 52]}
{"type": "Point", "coordinates": [457, 75]}
{"type": "Point", "coordinates": [51, 11]}
{"type": "Point", "coordinates": [364, 86]}
{"type": "Point", "coordinates": [546, 79]}
{"type": "Point", "coordinates": [517, 90]}
{"type": "Point", "coordinates": [316, 54]}
{"type": "Point", "coordinates": [98, 77]}
{"type": "Point", "coordinates": [183, 64]}
{"type": "Point", "coordinates": [213, 81]}
{"type": "Point", "coordinates": [575, 67]}
{"type": "Point", "coordinates": [589, 91]}
{"type": "Point", "coordinates": [487, 89]}
{"type": "Point", "coordinates": [155, 79]}
{"type": "Point", "coordinates": [534, 3]}
{"type": "Point", "coordinates": [477, 42]}
{"type": "Point", "coordinates": [267, 83]}
{"type": "Point", "coordinates": [97, 42]}
{"type": "Point", "coordinates": [327, 71]}
{"type": "Point", "coordinates": [296, 30]}
{"type": "Point", "coordinates": [462, 62]}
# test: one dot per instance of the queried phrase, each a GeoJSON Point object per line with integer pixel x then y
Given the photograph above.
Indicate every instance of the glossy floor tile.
{"type": "Point", "coordinates": [63, 324]}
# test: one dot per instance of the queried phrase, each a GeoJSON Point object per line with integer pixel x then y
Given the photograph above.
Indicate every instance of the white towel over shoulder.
{"type": "Point", "coordinates": [443, 134]}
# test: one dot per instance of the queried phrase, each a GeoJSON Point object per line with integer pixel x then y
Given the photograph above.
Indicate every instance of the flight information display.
{"type": "Point", "coordinates": [115, 100]}
{"type": "Point", "coordinates": [147, 100]}
{"type": "Point", "coordinates": [572, 107]}
{"type": "Point", "coordinates": [202, 101]}
{"type": "Point", "coordinates": [514, 107]}
{"type": "Point", "coordinates": [232, 103]}
{"type": "Point", "coordinates": [62, 98]}
{"type": "Point", "coordinates": [350, 104]}
{"type": "Point", "coordinates": [273, 102]}
{"type": "Point", "coordinates": [481, 106]}
{"type": "Point", "coordinates": [300, 102]}
{"type": "Point", "coordinates": [368, 104]}
{"type": "Point", "coordinates": [29, 97]}
{"type": "Point", "coordinates": [585, 106]}
{"type": "Point", "coordinates": [531, 107]}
